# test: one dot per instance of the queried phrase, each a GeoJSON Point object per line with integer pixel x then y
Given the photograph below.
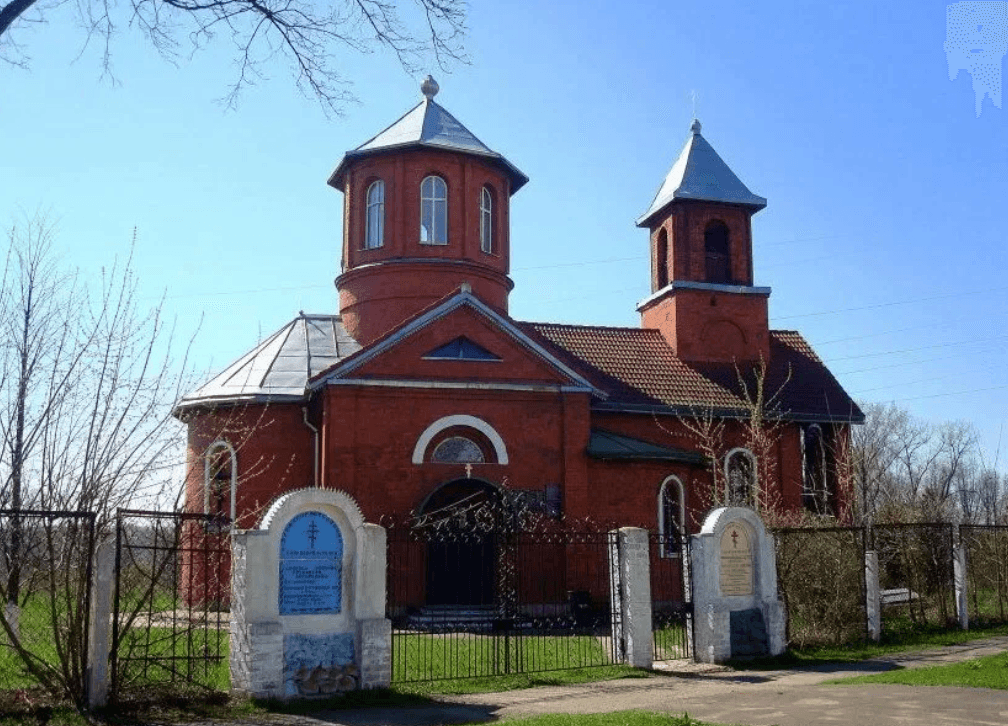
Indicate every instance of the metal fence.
{"type": "Point", "coordinates": [45, 589]}
{"type": "Point", "coordinates": [915, 574]}
{"type": "Point", "coordinates": [469, 600]}
{"type": "Point", "coordinates": [986, 572]}
{"type": "Point", "coordinates": [820, 576]}
{"type": "Point", "coordinates": [172, 592]}
{"type": "Point", "coordinates": [671, 597]}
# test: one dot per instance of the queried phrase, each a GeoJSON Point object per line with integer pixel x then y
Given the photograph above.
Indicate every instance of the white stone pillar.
{"type": "Point", "coordinates": [374, 630]}
{"type": "Point", "coordinates": [959, 581]}
{"type": "Point", "coordinates": [873, 598]}
{"type": "Point", "coordinates": [12, 614]}
{"type": "Point", "coordinates": [634, 597]}
{"type": "Point", "coordinates": [100, 624]}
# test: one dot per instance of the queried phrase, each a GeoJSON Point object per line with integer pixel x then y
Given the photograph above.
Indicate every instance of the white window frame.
{"type": "Point", "coordinates": [753, 494]}
{"type": "Point", "coordinates": [216, 446]}
{"type": "Point", "coordinates": [434, 206]}
{"type": "Point", "coordinates": [486, 220]}
{"type": "Point", "coordinates": [671, 480]}
{"type": "Point", "coordinates": [374, 224]}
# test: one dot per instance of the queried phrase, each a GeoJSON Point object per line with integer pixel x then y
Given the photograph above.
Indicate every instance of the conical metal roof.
{"type": "Point", "coordinates": [428, 124]}
{"type": "Point", "coordinates": [699, 173]}
{"type": "Point", "coordinates": [278, 369]}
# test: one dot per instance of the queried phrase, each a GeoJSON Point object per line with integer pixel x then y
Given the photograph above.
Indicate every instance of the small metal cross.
{"type": "Point", "coordinates": [468, 468]}
{"type": "Point", "coordinates": [734, 538]}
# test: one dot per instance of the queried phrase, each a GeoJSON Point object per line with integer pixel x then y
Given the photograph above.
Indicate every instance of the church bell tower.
{"type": "Point", "coordinates": [703, 299]}
{"type": "Point", "coordinates": [425, 210]}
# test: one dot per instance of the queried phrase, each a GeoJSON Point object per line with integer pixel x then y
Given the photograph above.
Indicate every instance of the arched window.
{"type": "Point", "coordinates": [717, 251]}
{"type": "Point", "coordinates": [375, 231]}
{"type": "Point", "coordinates": [661, 260]}
{"type": "Point", "coordinates": [457, 450]}
{"type": "Point", "coordinates": [433, 211]}
{"type": "Point", "coordinates": [671, 516]}
{"type": "Point", "coordinates": [220, 475]}
{"type": "Point", "coordinates": [740, 478]}
{"type": "Point", "coordinates": [815, 493]}
{"type": "Point", "coordinates": [486, 221]}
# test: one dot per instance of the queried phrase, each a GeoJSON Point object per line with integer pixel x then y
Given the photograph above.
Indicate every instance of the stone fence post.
{"type": "Point", "coordinates": [100, 625]}
{"type": "Point", "coordinates": [873, 596]}
{"type": "Point", "coordinates": [633, 639]}
{"type": "Point", "coordinates": [959, 580]}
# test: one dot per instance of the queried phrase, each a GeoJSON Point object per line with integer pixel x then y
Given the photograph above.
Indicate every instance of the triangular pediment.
{"type": "Point", "coordinates": [460, 341]}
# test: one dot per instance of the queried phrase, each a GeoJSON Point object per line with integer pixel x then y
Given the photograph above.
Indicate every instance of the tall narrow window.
{"type": "Point", "coordinates": [661, 260]}
{"type": "Point", "coordinates": [219, 481]}
{"type": "Point", "coordinates": [374, 235]}
{"type": "Point", "coordinates": [815, 491]}
{"type": "Point", "coordinates": [486, 221]}
{"type": "Point", "coordinates": [717, 250]}
{"type": "Point", "coordinates": [671, 516]}
{"type": "Point", "coordinates": [740, 478]}
{"type": "Point", "coordinates": [433, 211]}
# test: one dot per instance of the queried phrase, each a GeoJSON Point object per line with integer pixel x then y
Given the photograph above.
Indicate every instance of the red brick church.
{"type": "Point", "coordinates": [422, 391]}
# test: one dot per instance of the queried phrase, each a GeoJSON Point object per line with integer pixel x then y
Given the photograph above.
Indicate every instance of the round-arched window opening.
{"type": "Point", "coordinates": [457, 450]}
{"type": "Point", "coordinates": [717, 251]}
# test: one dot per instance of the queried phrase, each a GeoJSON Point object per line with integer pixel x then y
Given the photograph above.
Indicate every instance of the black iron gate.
{"type": "Point", "coordinates": [671, 597]}
{"type": "Point", "coordinates": [172, 593]}
{"type": "Point", "coordinates": [474, 596]}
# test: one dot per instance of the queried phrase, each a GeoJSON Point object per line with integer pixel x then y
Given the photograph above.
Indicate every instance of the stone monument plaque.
{"type": "Point", "coordinates": [311, 565]}
{"type": "Point", "coordinates": [736, 561]}
{"type": "Point", "coordinates": [748, 633]}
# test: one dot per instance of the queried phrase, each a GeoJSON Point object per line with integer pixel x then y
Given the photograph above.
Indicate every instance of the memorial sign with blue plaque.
{"type": "Point", "coordinates": [311, 565]}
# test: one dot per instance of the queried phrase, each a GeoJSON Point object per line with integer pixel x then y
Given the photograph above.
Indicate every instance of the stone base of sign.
{"type": "Point", "coordinates": [735, 578]}
{"type": "Point", "coordinates": [279, 652]}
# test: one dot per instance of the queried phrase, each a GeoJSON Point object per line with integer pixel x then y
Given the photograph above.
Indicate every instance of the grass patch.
{"type": "Point", "coordinates": [617, 718]}
{"type": "Point", "coordinates": [987, 672]}
{"type": "Point", "coordinates": [893, 641]}
{"type": "Point", "coordinates": [430, 657]}
{"type": "Point", "coordinates": [518, 681]}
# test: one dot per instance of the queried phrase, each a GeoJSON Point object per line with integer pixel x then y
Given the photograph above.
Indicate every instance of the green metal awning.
{"type": "Point", "coordinates": [617, 447]}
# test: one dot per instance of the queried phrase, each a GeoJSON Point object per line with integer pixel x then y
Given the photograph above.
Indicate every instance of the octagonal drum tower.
{"type": "Point", "coordinates": [425, 211]}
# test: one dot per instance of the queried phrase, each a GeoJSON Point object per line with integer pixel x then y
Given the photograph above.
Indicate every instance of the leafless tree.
{"type": "Point", "coordinates": [87, 381]}
{"type": "Point", "coordinates": [307, 36]}
{"type": "Point", "coordinates": [764, 420]}
{"type": "Point", "coordinates": [707, 430]}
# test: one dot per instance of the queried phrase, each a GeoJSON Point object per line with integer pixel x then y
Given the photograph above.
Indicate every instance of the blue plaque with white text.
{"type": "Point", "coordinates": [311, 565]}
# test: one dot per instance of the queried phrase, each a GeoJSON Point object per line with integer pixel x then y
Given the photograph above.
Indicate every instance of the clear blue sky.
{"type": "Point", "coordinates": [883, 239]}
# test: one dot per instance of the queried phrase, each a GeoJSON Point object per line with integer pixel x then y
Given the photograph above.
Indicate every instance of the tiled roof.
{"type": "Point", "coordinates": [699, 173]}
{"type": "Point", "coordinates": [639, 371]}
{"type": "Point", "coordinates": [278, 369]}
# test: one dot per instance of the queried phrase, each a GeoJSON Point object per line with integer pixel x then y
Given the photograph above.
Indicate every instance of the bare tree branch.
{"type": "Point", "coordinates": [306, 36]}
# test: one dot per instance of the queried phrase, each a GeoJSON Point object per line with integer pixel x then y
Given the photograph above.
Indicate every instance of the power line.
{"type": "Point", "coordinates": [914, 350]}
{"type": "Point", "coordinates": [891, 304]}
